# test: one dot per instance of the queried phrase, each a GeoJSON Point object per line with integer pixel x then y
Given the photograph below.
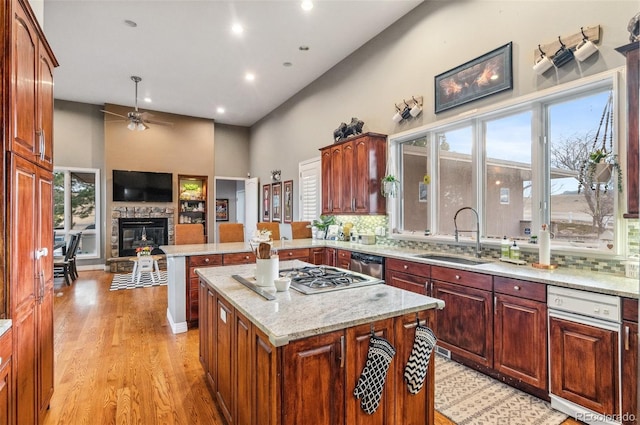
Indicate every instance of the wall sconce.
{"type": "Point", "coordinates": [276, 175]}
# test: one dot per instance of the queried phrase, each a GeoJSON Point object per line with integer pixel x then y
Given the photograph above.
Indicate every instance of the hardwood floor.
{"type": "Point", "coordinates": [117, 361]}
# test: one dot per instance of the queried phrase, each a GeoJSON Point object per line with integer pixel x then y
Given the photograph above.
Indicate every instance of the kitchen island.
{"type": "Point", "coordinates": [297, 359]}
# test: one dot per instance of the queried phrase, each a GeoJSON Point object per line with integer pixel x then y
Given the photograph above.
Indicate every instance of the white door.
{"type": "Point", "coordinates": [240, 208]}
{"type": "Point", "coordinates": [250, 207]}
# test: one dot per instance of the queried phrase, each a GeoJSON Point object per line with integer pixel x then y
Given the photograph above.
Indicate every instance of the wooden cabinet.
{"type": "Point", "coordinates": [301, 254]}
{"type": "Point", "coordinates": [343, 259]}
{"type": "Point", "coordinates": [330, 256]}
{"type": "Point", "coordinates": [316, 256]}
{"type": "Point", "coordinates": [224, 362]}
{"type": "Point", "coordinates": [193, 282]}
{"type": "Point", "coordinates": [629, 361]}
{"type": "Point", "coordinates": [520, 331]}
{"type": "Point", "coordinates": [6, 386]}
{"type": "Point", "coordinates": [351, 173]}
{"type": "Point", "coordinates": [408, 275]}
{"type": "Point", "coordinates": [632, 53]}
{"type": "Point", "coordinates": [584, 361]}
{"type": "Point", "coordinates": [238, 258]}
{"type": "Point", "coordinates": [465, 325]}
{"type": "Point", "coordinates": [192, 205]}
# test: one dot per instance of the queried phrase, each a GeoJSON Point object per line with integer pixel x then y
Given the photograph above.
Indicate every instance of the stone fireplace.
{"type": "Point", "coordinates": [135, 226]}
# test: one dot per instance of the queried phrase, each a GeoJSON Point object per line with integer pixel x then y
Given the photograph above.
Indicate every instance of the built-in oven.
{"type": "Point", "coordinates": [584, 354]}
{"type": "Point", "coordinates": [371, 265]}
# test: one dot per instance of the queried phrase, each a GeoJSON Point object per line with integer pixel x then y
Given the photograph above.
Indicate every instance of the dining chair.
{"type": "Point", "coordinates": [63, 265]}
{"type": "Point", "coordinates": [231, 232]}
{"type": "Point", "coordinates": [301, 230]}
{"type": "Point", "coordinates": [74, 259]}
{"type": "Point", "coordinates": [273, 226]}
{"type": "Point", "coordinates": [189, 234]}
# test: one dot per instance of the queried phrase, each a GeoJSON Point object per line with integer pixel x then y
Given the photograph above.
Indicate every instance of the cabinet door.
{"type": "Point", "coordinates": [520, 344]}
{"type": "Point", "coordinates": [411, 408]}
{"type": "Point", "coordinates": [225, 372]}
{"type": "Point", "coordinates": [203, 325]}
{"type": "Point", "coordinates": [266, 390]}
{"type": "Point", "coordinates": [465, 325]}
{"type": "Point", "coordinates": [360, 183]}
{"type": "Point", "coordinates": [212, 326]}
{"type": "Point", "coordinates": [327, 180]}
{"type": "Point", "coordinates": [243, 371]}
{"type": "Point", "coordinates": [317, 256]}
{"type": "Point", "coordinates": [337, 179]}
{"type": "Point", "coordinates": [630, 372]}
{"type": "Point", "coordinates": [330, 256]}
{"type": "Point", "coordinates": [45, 111]}
{"type": "Point", "coordinates": [6, 387]}
{"type": "Point", "coordinates": [314, 367]}
{"type": "Point", "coordinates": [583, 364]}
{"type": "Point", "coordinates": [348, 177]}
{"type": "Point", "coordinates": [358, 347]}
{"type": "Point", "coordinates": [343, 259]}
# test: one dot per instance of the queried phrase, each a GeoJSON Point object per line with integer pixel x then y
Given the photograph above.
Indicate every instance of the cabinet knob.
{"type": "Point", "coordinates": [206, 260]}
{"type": "Point", "coordinates": [246, 257]}
{"type": "Point", "coordinates": [290, 254]}
{"type": "Point", "coordinates": [516, 287]}
{"type": "Point", "coordinates": [406, 267]}
{"type": "Point", "coordinates": [458, 277]}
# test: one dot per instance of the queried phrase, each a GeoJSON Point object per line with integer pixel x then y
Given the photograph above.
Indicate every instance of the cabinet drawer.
{"type": "Point", "coordinates": [630, 309]}
{"type": "Point", "coordinates": [461, 277]}
{"type": "Point", "coordinates": [5, 347]}
{"type": "Point", "coordinates": [520, 288]}
{"type": "Point", "coordinates": [294, 254]}
{"type": "Point", "coordinates": [238, 258]}
{"type": "Point", "coordinates": [205, 260]}
{"type": "Point", "coordinates": [410, 267]}
{"type": "Point", "coordinates": [408, 282]}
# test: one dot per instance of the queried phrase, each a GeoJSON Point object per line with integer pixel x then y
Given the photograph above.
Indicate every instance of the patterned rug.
{"type": "Point", "coordinates": [468, 397]}
{"type": "Point", "coordinates": [123, 281]}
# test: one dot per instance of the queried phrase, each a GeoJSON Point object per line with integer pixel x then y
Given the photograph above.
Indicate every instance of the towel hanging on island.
{"type": "Point", "coordinates": [371, 381]}
{"type": "Point", "coordinates": [415, 371]}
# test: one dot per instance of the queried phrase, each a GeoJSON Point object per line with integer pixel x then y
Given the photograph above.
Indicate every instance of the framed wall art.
{"type": "Point", "coordinates": [266, 202]}
{"type": "Point", "coordinates": [222, 210]}
{"type": "Point", "coordinates": [488, 74]}
{"type": "Point", "coordinates": [276, 201]}
{"type": "Point", "coordinates": [288, 201]}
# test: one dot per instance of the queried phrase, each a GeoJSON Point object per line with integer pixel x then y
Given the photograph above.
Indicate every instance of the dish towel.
{"type": "Point", "coordinates": [371, 381]}
{"type": "Point", "coordinates": [415, 371]}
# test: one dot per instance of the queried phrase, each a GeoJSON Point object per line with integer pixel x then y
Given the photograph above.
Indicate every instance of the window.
{"type": "Point", "coordinates": [310, 190]}
{"type": "Point", "coordinates": [517, 165]}
{"type": "Point", "coordinates": [76, 198]}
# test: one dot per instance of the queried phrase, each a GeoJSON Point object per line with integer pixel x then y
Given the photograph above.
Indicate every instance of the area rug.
{"type": "Point", "coordinates": [123, 281]}
{"type": "Point", "coordinates": [468, 397]}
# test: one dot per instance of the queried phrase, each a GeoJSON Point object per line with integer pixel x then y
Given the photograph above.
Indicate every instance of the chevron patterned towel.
{"type": "Point", "coordinates": [371, 382]}
{"type": "Point", "coordinates": [416, 369]}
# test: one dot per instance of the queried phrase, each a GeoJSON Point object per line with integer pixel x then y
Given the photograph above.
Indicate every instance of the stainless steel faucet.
{"type": "Point", "coordinates": [455, 224]}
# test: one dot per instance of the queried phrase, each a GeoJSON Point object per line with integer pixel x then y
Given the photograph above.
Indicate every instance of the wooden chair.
{"type": "Point", "coordinates": [189, 234]}
{"type": "Point", "coordinates": [231, 232]}
{"type": "Point", "coordinates": [301, 230]}
{"type": "Point", "coordinates": [270, 225]}
{"type": "Point", "coordinates": [64, 266]}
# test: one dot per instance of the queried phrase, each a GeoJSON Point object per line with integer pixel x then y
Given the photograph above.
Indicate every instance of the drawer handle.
{"type": "Point", "coordinates": [246, 257]}
{"type": "Point", "coordinates": [290, 254]}
{"type": "Point", "coordinates": [516, 287]}
{"type": "Point", "coordinates": [206, 260]}
{"type": "Point", "coordinates": [406, 267]}
{"type": "Point", "coordinates": [458, 276]}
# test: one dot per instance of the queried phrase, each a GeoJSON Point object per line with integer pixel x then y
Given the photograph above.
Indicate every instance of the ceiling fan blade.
{"type": "Point", "coordinates": [158, 122]}
{"type": "Point", "coordinates": [113, 113]}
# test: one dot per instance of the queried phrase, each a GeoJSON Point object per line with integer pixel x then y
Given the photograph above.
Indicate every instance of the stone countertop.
{"type": "Point", "coordinates": [5, 325]}
{"type": "Point", "coordinates": [293, 315]}
{"type": "Point", "coordinates": [578, 279]}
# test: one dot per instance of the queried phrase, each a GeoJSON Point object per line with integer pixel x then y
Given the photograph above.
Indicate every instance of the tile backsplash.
{"type": "Point", "coordinates": [573, 261]}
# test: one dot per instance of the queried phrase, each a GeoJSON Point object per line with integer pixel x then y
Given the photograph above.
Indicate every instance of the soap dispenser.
{"type": "Point", "coordinates": [514, 252]}
{"type": "Point", "coordinates": [504, 247]}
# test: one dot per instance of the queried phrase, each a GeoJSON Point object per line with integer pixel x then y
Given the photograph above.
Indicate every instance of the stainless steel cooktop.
{"type": "Point", "coordinates": [317, 279]}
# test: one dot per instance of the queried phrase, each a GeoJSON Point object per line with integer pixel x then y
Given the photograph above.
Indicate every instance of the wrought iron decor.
{"type": "Point", "coordinates": [488, 74]}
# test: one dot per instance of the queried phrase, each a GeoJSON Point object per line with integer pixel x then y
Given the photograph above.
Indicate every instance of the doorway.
{"type": "Point", "coordinates": [242, 197]}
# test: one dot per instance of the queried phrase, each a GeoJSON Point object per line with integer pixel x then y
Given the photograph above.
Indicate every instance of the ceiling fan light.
{"type": "Point", "coordinates": [131, 125]}
{"type": "Point", "coordinates": [140, 127]}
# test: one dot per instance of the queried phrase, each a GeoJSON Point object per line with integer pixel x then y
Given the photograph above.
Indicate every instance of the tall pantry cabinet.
{"type": "Point", "coordinates": [27, 220]}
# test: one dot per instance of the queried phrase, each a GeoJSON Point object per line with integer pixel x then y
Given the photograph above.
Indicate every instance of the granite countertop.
{"type": "Point", "coordinates": [5, 325]}
{"type": "Point", "coordinates": [578, 279]}
{"type": "Point", "coordinates": [293, 315]}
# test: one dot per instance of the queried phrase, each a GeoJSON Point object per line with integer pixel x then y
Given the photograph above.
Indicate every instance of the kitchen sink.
{"type": "Point", "coordinates": [451, 259]}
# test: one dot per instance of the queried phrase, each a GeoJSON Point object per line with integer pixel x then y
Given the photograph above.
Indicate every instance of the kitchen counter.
{"type": "Point", "coordinates": [577, 279]}
{"type": "Point", "coordinates": [5, 325]}
{"type": "Point", "coordinates": [293, 315]}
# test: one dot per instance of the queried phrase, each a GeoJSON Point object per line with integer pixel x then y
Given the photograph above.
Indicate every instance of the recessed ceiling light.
{"type": "Point", "coordinates": [220, 110]}
{"type": "Point", "coordinates": [303, 48]}
{"type": "Point", "coordinates": [147, 99]}
{"type": "Point", "coordinates": [237, 29]}
{"type": "Point", "coordinates": [249, 76]}
{"type": "Point", "coordinates": [130, 23]}
{"type": "Point", "coordinates": [287, 64]}
{"type": "Point", "coordinates": [307, 5]}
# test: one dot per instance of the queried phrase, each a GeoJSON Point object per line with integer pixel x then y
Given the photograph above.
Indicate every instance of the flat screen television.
{"type": "Point", "coordinates": [142, 186]}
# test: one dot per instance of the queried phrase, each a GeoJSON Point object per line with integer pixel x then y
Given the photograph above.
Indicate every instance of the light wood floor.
{"type": "Point", "coordinates": [117, 361]}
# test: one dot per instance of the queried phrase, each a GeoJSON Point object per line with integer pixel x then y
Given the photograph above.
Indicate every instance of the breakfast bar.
{"type": "Point", "coordinates": [268, 359]}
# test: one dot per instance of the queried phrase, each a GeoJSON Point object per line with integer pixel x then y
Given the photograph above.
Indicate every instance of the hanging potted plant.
{"type": "Point", "coordinates": [601, 162]}
{"type": "Point", "coordinates": [389, 186]}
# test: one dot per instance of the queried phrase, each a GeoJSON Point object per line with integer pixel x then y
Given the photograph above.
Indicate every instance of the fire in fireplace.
{"type": "Point", "coordinates": [139, 232]}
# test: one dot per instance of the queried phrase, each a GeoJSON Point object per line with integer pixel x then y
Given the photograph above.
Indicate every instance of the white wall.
{"type": "Point", "coordinates": [402, 62]}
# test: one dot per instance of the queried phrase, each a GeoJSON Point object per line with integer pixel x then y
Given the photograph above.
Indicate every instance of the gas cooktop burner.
{"type": "Point", "coordinates": [312, 280]}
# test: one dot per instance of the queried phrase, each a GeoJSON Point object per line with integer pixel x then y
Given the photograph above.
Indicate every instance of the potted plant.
{"type": "Point", "coordinates": [322, 225]}
{"type": "Point", "coordinates": [389, 186]}
{"type": "Point", "coordinates": [601, 162]}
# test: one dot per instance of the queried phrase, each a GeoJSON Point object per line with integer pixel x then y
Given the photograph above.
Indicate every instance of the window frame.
{"type": "Point", "coordinates": [538, 104]}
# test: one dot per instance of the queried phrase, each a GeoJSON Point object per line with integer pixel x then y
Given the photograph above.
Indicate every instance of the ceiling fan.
{"type": "Point", "coordinates": [138, 120]}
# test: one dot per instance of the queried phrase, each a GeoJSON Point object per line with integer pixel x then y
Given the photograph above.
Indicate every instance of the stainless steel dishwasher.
{"type": "Point", "coordinates": [371, 265]}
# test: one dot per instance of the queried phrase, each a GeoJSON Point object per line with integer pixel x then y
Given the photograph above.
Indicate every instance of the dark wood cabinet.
{"type": "Point", "coordinates": [330, 256]}
{"type": "Point", "coordinates": [632, 53]}
{"type": "Point", "coordinates": [242, 355]}
{"type": "Point", "coordinates": [6, 385]}
{"type": "Point", "coordinates": [584, 361]}
{"type": "Point", "coordinates": [629, 361]}
{"type": "Point", "coordinates": [266, 400]}
{"type": "Point", "coordinates": [193, 282]}
{"type": "Point", "coordinates": [465, 325]}
{"type": "Point", "coordinates": [316, 256]}
{"type": "Point", "coordinates": [301, 254]}
{"type": "Point", "coordinates": [407, 275]}
{"type": "Point", "coordinates": [520, 332]}
{"type": "Point", "coordinates": [238, 258]}
{"type": "Point", "coordinates": [224, 361]}
{"type": "Point", "coordinates": [343, 259]}
{"type": "Point", "coordinates": [351, 173]}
